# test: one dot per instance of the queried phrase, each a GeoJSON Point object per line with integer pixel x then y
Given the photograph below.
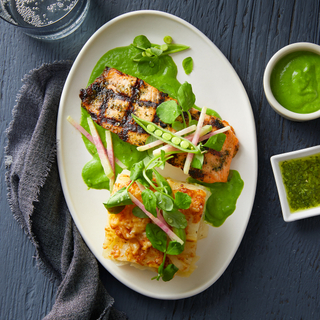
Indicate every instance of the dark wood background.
{"type": "Point", "coordinates": [275, 272]}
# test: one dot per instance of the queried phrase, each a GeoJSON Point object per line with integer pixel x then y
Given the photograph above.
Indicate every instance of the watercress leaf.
{"type": "Point", "coordinates": [187, 65]}
{"type": "Point", "coordinates": [149, 201]}
{"type": "Point", "coordinates": [174, 248]}
{"type": "Point", "coordinates": [186, 97]}
{"type": "Point", "coordinates": [182, 200]}
{"type": "Point", "coordinates": [162, 182]}
{"type": "Point", "coordinates": [137, 57]}
{"type": "Point", "coordinates": [175, 218]}
{"type": "Point", "coordinates": [197, 161]}
{"type": "Point", "coordinates": [193, 122]}
{"type": "Point", "coordinates": [209, 112]}
{"type": "Point", "coordinates": [148, 66]}
{"type": "Point", "coordinates": [141, 42]}
{"type": "Point", "coordinates": [181, 233]}
{"type": "Point", "coordinates": [177, 125]}
{"type": "Point", "coordinates": [156, 51]}
{"type": "Point", "coordinates": [157, 237]}
{"type": "Point", "coordinates": [136, 170]}
{"type": "Point", "coordinates": [136, 211]}
{"type": "Point", "coordinates": [216, 142]}
{"type": "Point", "coordinates": [168, 111]}
{"type": "Point", "coordinates": [163, 201]}
{"type": "Point", "coordinates": [160, 271]}
{"type": "Point", "coordinates": [163, 160]}
{"type": "Point", "coordinates": [120, 198]}
{"type": "Point", "coordinates": [170, 90]}
{"type": "Point", "coordinates": [115, 210]}
{"type": "Point", "coordinates": [169, 272]}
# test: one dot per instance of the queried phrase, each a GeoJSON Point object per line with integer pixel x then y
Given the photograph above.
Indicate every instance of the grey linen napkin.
{"type": "Point", "coordinates": [37, 202]}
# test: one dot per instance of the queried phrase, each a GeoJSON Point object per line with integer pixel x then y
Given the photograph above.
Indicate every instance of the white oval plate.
{"type": "Point", "coordinates": [216, 85]}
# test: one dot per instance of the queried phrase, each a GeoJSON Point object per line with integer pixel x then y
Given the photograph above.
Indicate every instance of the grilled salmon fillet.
{"type": "Point", "coordinates": [114, 96]}
{"type": "Point", "coordinates": [125, 236]}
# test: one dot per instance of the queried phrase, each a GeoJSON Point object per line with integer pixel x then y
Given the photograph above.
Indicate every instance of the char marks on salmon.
{"type": "Point", "coordinates": [114, 96]}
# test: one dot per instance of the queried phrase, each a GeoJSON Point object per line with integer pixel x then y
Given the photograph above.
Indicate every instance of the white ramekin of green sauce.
{"type": "Point", "coordinates": [297, 179]}
{"type": "Point", "coordinates": [291, 81]}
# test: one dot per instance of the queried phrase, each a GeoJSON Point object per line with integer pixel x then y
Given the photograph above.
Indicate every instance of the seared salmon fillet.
{"type": "Point", "coordinates": [125, 234]}
{"type": "Point", "coordinates": [216, 164]}
{"type": "Point", "coordinates": [114, 96]}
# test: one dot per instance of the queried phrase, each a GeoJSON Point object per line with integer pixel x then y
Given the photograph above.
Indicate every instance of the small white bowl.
{"type": "Point", "coordinates": [275, 160]}
{"type": "Point", "coordinates": [299, 46]}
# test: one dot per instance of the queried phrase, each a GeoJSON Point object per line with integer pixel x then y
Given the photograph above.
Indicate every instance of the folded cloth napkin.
{"type": "Point", "coordinates": [37, 202]}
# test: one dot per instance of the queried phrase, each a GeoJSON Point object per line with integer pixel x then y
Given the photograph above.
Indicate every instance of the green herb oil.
{"type": "Point", "coordinates": [301, 178]}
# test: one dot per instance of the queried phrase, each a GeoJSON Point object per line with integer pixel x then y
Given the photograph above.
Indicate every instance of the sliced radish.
{"type": "Point", "coordinates": [157, 221]}
{"type": "Point", "coordinates": [89, 137]}
{"type": "Point", "coordinates": [101, 150]}
{"type": "Point", "coordinates": [195, 140]}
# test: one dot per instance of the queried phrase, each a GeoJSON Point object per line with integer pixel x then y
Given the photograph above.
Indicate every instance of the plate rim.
{"type": "Point", "coordinates": [82, 52]}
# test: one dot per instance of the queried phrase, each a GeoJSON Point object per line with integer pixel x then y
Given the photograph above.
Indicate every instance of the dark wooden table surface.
{"type": "Point", "coordinates": [275, 272]}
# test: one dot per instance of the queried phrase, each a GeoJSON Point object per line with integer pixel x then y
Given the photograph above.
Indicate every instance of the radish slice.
{"type": "Point", "coordinates": [89, 137]}
{"type": "Point", "coordinates": [159, 142]}
{"type": "Point", "coordinates": [195, 140]}
{"type": "Point", "coordinates": [110, 152]}
{"type": "Point", "coordinates": [207, 136]}
{"type": "Point", "coordinates": [161, 218]}
{"type": "Point", "coordinates": [80, 129]}
{"type": "Point", "coordinates": [157, 221]}
{"type": "Point", "coordinates": [101, 150]}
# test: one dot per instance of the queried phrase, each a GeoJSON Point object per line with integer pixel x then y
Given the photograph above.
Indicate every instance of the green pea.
{"type": "Point", "coordinates": [184, 144]}
{"type": "Point", "coordinates": [176, 140]}
{"type": "Point", "coordinates": [158, 133]}
{"type": "Point", "coordinates": [151, 127]}
{"type": "Point", "coordinates": [167, 136]}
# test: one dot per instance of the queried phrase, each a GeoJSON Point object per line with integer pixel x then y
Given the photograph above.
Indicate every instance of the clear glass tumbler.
{"type": "Point", "coordinates": [45, 19]}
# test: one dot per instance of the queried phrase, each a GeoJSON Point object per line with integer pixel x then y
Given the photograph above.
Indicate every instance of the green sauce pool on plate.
{"type": "Point", "coordinates": [164, 80]}
{"type": "Point", "coordinates": [301, 178]}
{"type": "Point", "coordinates": [295, 82]}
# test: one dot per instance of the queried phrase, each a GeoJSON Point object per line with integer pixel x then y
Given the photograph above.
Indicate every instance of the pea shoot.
{"type": "Point", "coordinates": [148, 58]}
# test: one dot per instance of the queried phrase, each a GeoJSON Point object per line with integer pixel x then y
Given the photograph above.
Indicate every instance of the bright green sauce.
{"type": "Point", "coordinates": [295, 82]}
{"type": "Point", "coordinates": [222, 202]}
{"type": "Point", "coordinates": [301, 178]}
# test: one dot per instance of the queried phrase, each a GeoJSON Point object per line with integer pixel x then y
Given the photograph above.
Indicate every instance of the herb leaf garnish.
{"type": "Point", "coordinates": [148, 59]}
{"type": "Point", "coordinates": [216, 142]}
{"type": "Point", "coordinates": [187, 65]}
{"type": "Point", "coordinates": [168, 111]}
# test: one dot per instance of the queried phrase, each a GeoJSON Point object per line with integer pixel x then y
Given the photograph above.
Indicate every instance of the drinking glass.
{"type": "Point", "coordinates": [45, 19]}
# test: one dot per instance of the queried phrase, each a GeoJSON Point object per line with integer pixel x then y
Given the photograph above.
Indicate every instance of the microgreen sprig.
{"type": "Point", "coordinates": [148, 57]}
{"type": "Point", "coordinates": [169, 111]}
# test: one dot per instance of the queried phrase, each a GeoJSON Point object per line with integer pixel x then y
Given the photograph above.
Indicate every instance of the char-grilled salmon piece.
{"type": "Point", "coordinates": [114, 96]}
{"type": "Point", "coordinates": [216, 164]}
